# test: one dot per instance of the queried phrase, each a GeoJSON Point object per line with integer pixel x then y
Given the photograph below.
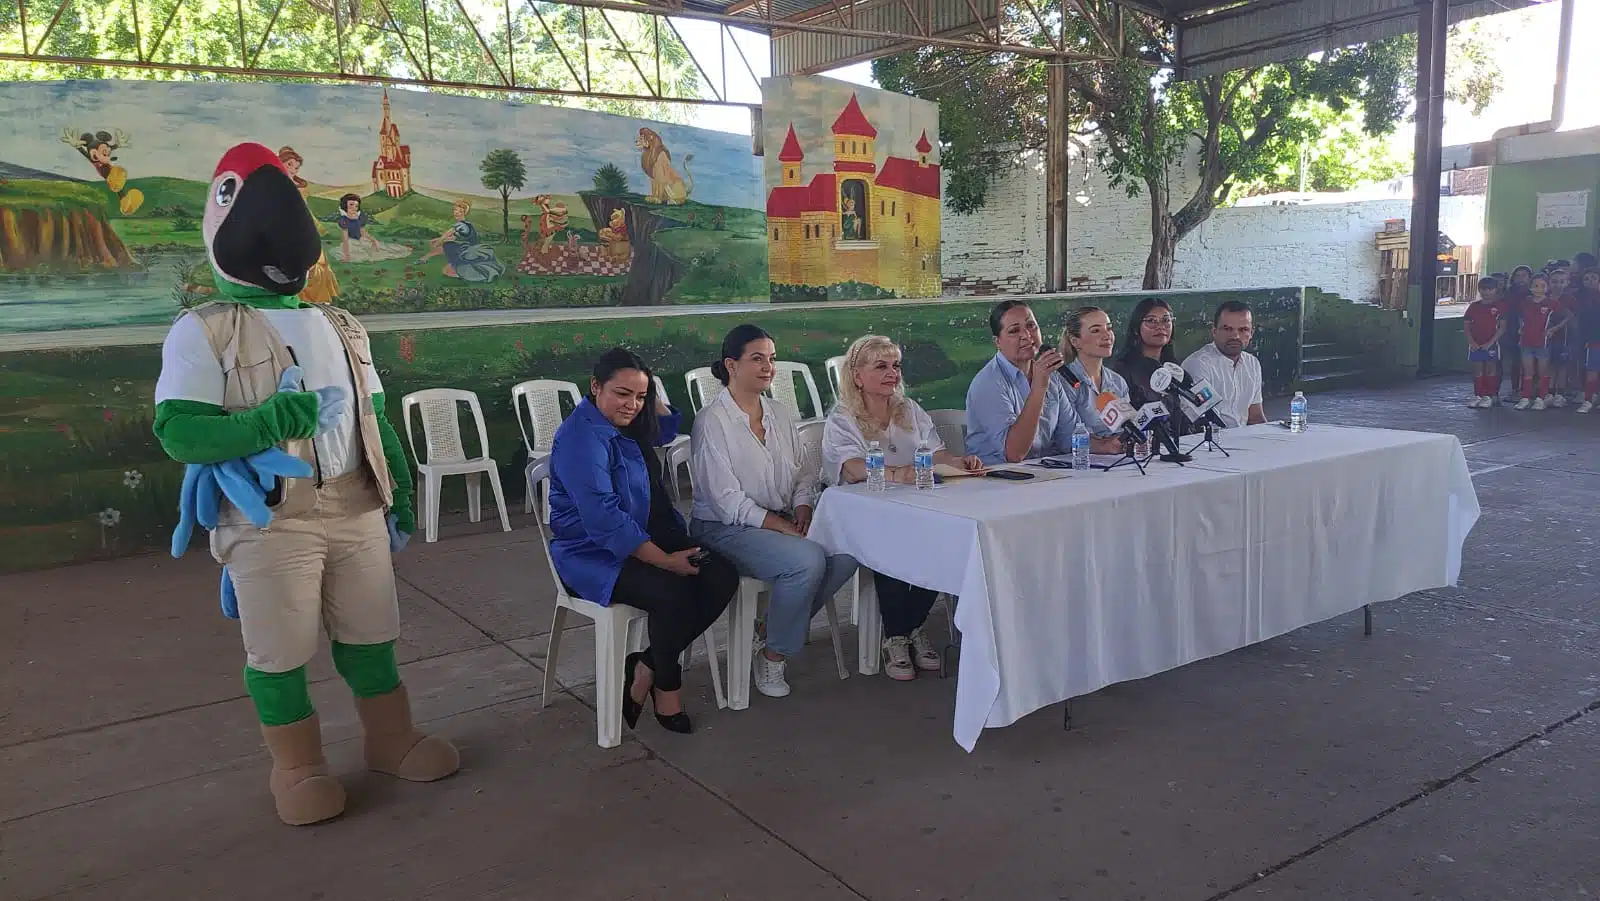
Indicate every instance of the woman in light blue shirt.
{"type": "Point", "coordinates": [1086, 344]}
{"type": "Point", "coordinates": [1017, 406]}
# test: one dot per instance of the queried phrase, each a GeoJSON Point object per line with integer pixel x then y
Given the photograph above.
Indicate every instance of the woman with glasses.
{"type": "Point", "coordinates": [1149, 346]}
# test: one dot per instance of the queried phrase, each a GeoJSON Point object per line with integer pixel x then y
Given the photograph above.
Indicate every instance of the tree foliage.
{"type": "Point", "coordinates": [504, 172]}
{"type": "Point", "coordinates": [1189, 146]}
{"type": "Point", "coordinates": [379, 38]}
{"type": "Point", "coordinates": [610, 181]}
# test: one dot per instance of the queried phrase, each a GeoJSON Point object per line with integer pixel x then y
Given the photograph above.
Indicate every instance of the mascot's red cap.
{"type": "Point", "coordinates": [243, 159]}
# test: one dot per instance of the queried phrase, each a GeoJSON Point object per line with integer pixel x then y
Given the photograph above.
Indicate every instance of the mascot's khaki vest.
{"type": "Point", "coordinates": [254, 356]}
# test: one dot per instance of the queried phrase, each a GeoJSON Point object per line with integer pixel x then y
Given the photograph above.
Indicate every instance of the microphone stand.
{"type": "Point", "coordinates": [1128, 456]}
{"type": "Point", "coordinates": [1166, 439]}
{"type": "Point", "coordinates": [1209, 442]}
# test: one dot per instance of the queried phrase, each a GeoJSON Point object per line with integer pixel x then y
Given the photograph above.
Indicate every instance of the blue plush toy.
{"type": "Point", "coordinates": [245, 481]}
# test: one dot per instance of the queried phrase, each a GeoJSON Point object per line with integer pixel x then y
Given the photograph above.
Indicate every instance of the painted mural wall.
{"type": "Point", "coordinates": [426, 202]}
{"type": "Point", "coordinates": [83, 477]}
{"type": "Point", "coordinates": [853, 188]}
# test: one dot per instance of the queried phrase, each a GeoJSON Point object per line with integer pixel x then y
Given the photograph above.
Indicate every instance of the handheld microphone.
{"type": "Point", "coordinates": [1065, 372]}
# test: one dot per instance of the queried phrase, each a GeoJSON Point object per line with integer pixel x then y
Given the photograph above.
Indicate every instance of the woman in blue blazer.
{"type": "Point", "coordinates": [617, 538]}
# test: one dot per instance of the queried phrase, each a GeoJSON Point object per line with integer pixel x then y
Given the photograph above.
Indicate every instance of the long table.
{"type": "Point", "coordinates": [1073, 583]}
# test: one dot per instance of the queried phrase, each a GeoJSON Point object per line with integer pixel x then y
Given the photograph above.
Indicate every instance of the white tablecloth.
{"type": "Point", "coordinates": [1070, 585]}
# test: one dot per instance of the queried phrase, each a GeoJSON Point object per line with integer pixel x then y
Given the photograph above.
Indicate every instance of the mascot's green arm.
{"type": "Point", "coordinates": [195, 432]}
{"type": "Point", "coordinates": [404, 509]}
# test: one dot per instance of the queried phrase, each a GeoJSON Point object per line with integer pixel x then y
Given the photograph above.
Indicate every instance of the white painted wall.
{"type": "Point", "coordinates": [1000, 248]}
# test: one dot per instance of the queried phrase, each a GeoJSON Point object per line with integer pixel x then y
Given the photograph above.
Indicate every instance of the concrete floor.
{"type": "Point", "coordinates": [1449, 756]}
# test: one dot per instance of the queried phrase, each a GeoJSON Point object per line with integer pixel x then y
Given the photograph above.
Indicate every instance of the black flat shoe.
{"type": "Point", "coordinates": [675, 722]}
{"type": "Point", "coordinates": [630, 708]}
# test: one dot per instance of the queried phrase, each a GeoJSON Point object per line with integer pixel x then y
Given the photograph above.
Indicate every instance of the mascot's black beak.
{"type": "Point", "coordinates": [267, 237]}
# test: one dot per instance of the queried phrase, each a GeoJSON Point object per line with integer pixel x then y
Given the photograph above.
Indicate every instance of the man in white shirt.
{"type": "Point", "coordinates": [1234, 373]}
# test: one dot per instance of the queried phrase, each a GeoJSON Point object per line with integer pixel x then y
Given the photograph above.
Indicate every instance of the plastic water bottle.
{"type": "Point", "coordinates": [924, 463]}
{"type": "Point", "coordinates": [1080, 447]}
{"type": "Point", "coordinates": [875, 467]}
{"type": "Point", "coordinates": [1297, 412]}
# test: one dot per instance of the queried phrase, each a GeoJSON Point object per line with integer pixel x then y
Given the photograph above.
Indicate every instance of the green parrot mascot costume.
{"type": "Point", "coordinates": [261, 370]}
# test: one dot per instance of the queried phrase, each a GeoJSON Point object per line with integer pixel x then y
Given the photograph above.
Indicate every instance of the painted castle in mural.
{"type": "Point", "coordinates": [860, 224]}
{"type": "Point", "coordinates": [391, 171]}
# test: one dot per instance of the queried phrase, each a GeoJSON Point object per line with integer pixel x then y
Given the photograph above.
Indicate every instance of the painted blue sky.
{"type": "Point", "coordinates": [181, 129]}
{"type": "Point", "coordinates": [813, 103]}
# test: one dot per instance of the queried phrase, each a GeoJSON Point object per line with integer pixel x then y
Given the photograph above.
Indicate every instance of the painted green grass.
{"type": "Point", "coordinates": [162, 193]}
{"type": "Point", "coordinates": [28, 193]}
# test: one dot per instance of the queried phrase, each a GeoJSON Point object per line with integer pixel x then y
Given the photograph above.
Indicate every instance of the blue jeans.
{"type": "Point", "coordinates": [803, 576]}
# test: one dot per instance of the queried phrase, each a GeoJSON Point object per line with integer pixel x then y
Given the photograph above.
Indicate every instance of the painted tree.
{"type": "Point", "coordinates": [503, 172]}
{"type": "Point", "coordinates": [1234, 130]}
{"type": "Point", "coordinates": [610, 181]}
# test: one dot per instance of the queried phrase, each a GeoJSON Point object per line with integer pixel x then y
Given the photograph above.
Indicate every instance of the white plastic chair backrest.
{"type": "Point", "coordinates": [661, 390]}
{"type": "Point", "coordinates": [811, 447]}
{"type": "Point", "coordinates": [952, 428]}
{"type": "Point", "coordinates": [441, 429]}
{"type": "Point", "coordinates": [536, 472]}
{"type": "Point", "coordinates": [787, 392]}
{"type": "Point", "coordinates": [834, 367]}
{"type": "Point", "coordinates": [703, 387]}
{"type": "Point", "coordinates": [537, 404]}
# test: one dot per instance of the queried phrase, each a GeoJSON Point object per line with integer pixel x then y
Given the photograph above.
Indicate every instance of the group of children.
{"type": "Point", "coordinates": [1541, 329]}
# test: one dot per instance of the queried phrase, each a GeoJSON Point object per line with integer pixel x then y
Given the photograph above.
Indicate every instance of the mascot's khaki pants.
{"type": "Point", "coordinates": [330, 567]}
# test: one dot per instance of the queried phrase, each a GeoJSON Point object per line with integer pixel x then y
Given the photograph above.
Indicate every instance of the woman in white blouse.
{"type": "Point", "coordinates": [753, 500]}
{"type": "Point", "coordinates": [873, 407]}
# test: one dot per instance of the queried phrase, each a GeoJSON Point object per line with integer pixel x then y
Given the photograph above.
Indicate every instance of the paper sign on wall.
{"type": "Point", "coordinates": [1562, 209]}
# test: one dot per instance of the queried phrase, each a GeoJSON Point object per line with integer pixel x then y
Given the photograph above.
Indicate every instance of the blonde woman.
{"type": "Point", "coordinates": [1086, 345]}
{"type": "Point", "coordinates": [873, 407]}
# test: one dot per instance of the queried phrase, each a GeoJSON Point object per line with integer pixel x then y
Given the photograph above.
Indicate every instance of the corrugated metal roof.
{"type": "Point", "coordinates": [1256, 32]}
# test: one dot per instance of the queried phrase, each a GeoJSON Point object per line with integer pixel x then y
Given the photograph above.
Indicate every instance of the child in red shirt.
{"type": "Point", "coordinates": [1485, 322]}
{"type": "Point", "coordinates": [1542, 317]}
{"type": "Point", "coordinates": [1563, 356]}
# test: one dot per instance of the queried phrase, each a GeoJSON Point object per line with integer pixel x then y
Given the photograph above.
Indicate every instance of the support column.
{"type": "Point", "coordinates": [1432, 32]}
{"type": "Point", "coordinates": [1055, 178]}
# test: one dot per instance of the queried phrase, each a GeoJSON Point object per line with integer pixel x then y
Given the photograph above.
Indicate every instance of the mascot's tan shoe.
{"type": "Point", "coordinates": [395, 748]}
{"type": "Point", "coordinates": [301, 787]}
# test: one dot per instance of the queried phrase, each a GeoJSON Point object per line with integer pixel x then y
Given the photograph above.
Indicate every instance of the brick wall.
{"type": "Point", "coordinates": [1000, 248]}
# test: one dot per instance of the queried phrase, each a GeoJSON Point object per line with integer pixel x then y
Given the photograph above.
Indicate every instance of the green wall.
{"type": "Point", "coordinates": [82, 476]}
{"type": "Point", "coordinates": [1514, 189]}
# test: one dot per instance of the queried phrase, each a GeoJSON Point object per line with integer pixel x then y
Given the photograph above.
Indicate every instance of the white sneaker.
{"type": "Point", "coordinates": [1585, 407]}
{"type": "Point", "coordinates": [1538, 403]}
{"type": "Point", "coordinates": [1523, 404]}
{"type": "Point", "coordinates": [1475, 403]}
{"type": "Point", "coordinates": [769, 677]}
{"type": "Point", "coordinates": [1558, 401]}
{"type": "Point", "coordinates": [898, 666]}
{"type": "Point", "coordinates": [922, 650]}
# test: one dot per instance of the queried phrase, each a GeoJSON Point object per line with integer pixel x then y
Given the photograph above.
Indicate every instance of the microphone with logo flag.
{"type": "Point", "coordinates": [1196, 398]}
{"type": "Point", "coordinates": [1117, 415]}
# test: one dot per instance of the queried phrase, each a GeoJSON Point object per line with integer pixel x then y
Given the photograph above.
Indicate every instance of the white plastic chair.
{"type": "Point", "coordinates": [952, 428]}
{"type": "Point", "coordinates": [441, 433]}
{"type": "Point", "coordinates": [703, 387]}
{"type": "Point", "coordinates": [742, 634]}
{"type": "Point", "coordinates": [834, 366]}
{"type": "Point", "coordinates": [618, 629]}
{"type": "Point", "coordinates": [675, 453]}
{"type": "Point", "coordinates": [742, 626]}
{"type": "Point", "coordinates": [537, 405]}
{"type": "Point", "coordinates": [787, 392]}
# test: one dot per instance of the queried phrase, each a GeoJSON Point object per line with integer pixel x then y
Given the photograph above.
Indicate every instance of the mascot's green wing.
{"type": "Point", "coordinates": [404, 508]}
{"type": "Point", "coordinates": [195, 432]}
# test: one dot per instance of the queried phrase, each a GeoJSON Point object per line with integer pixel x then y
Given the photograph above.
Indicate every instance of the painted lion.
{"type": "Point", "coordinates": [666, 185]}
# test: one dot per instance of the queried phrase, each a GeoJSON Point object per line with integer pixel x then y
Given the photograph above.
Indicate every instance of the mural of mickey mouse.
{"type": "Point", "coordinates": [98, 148]}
